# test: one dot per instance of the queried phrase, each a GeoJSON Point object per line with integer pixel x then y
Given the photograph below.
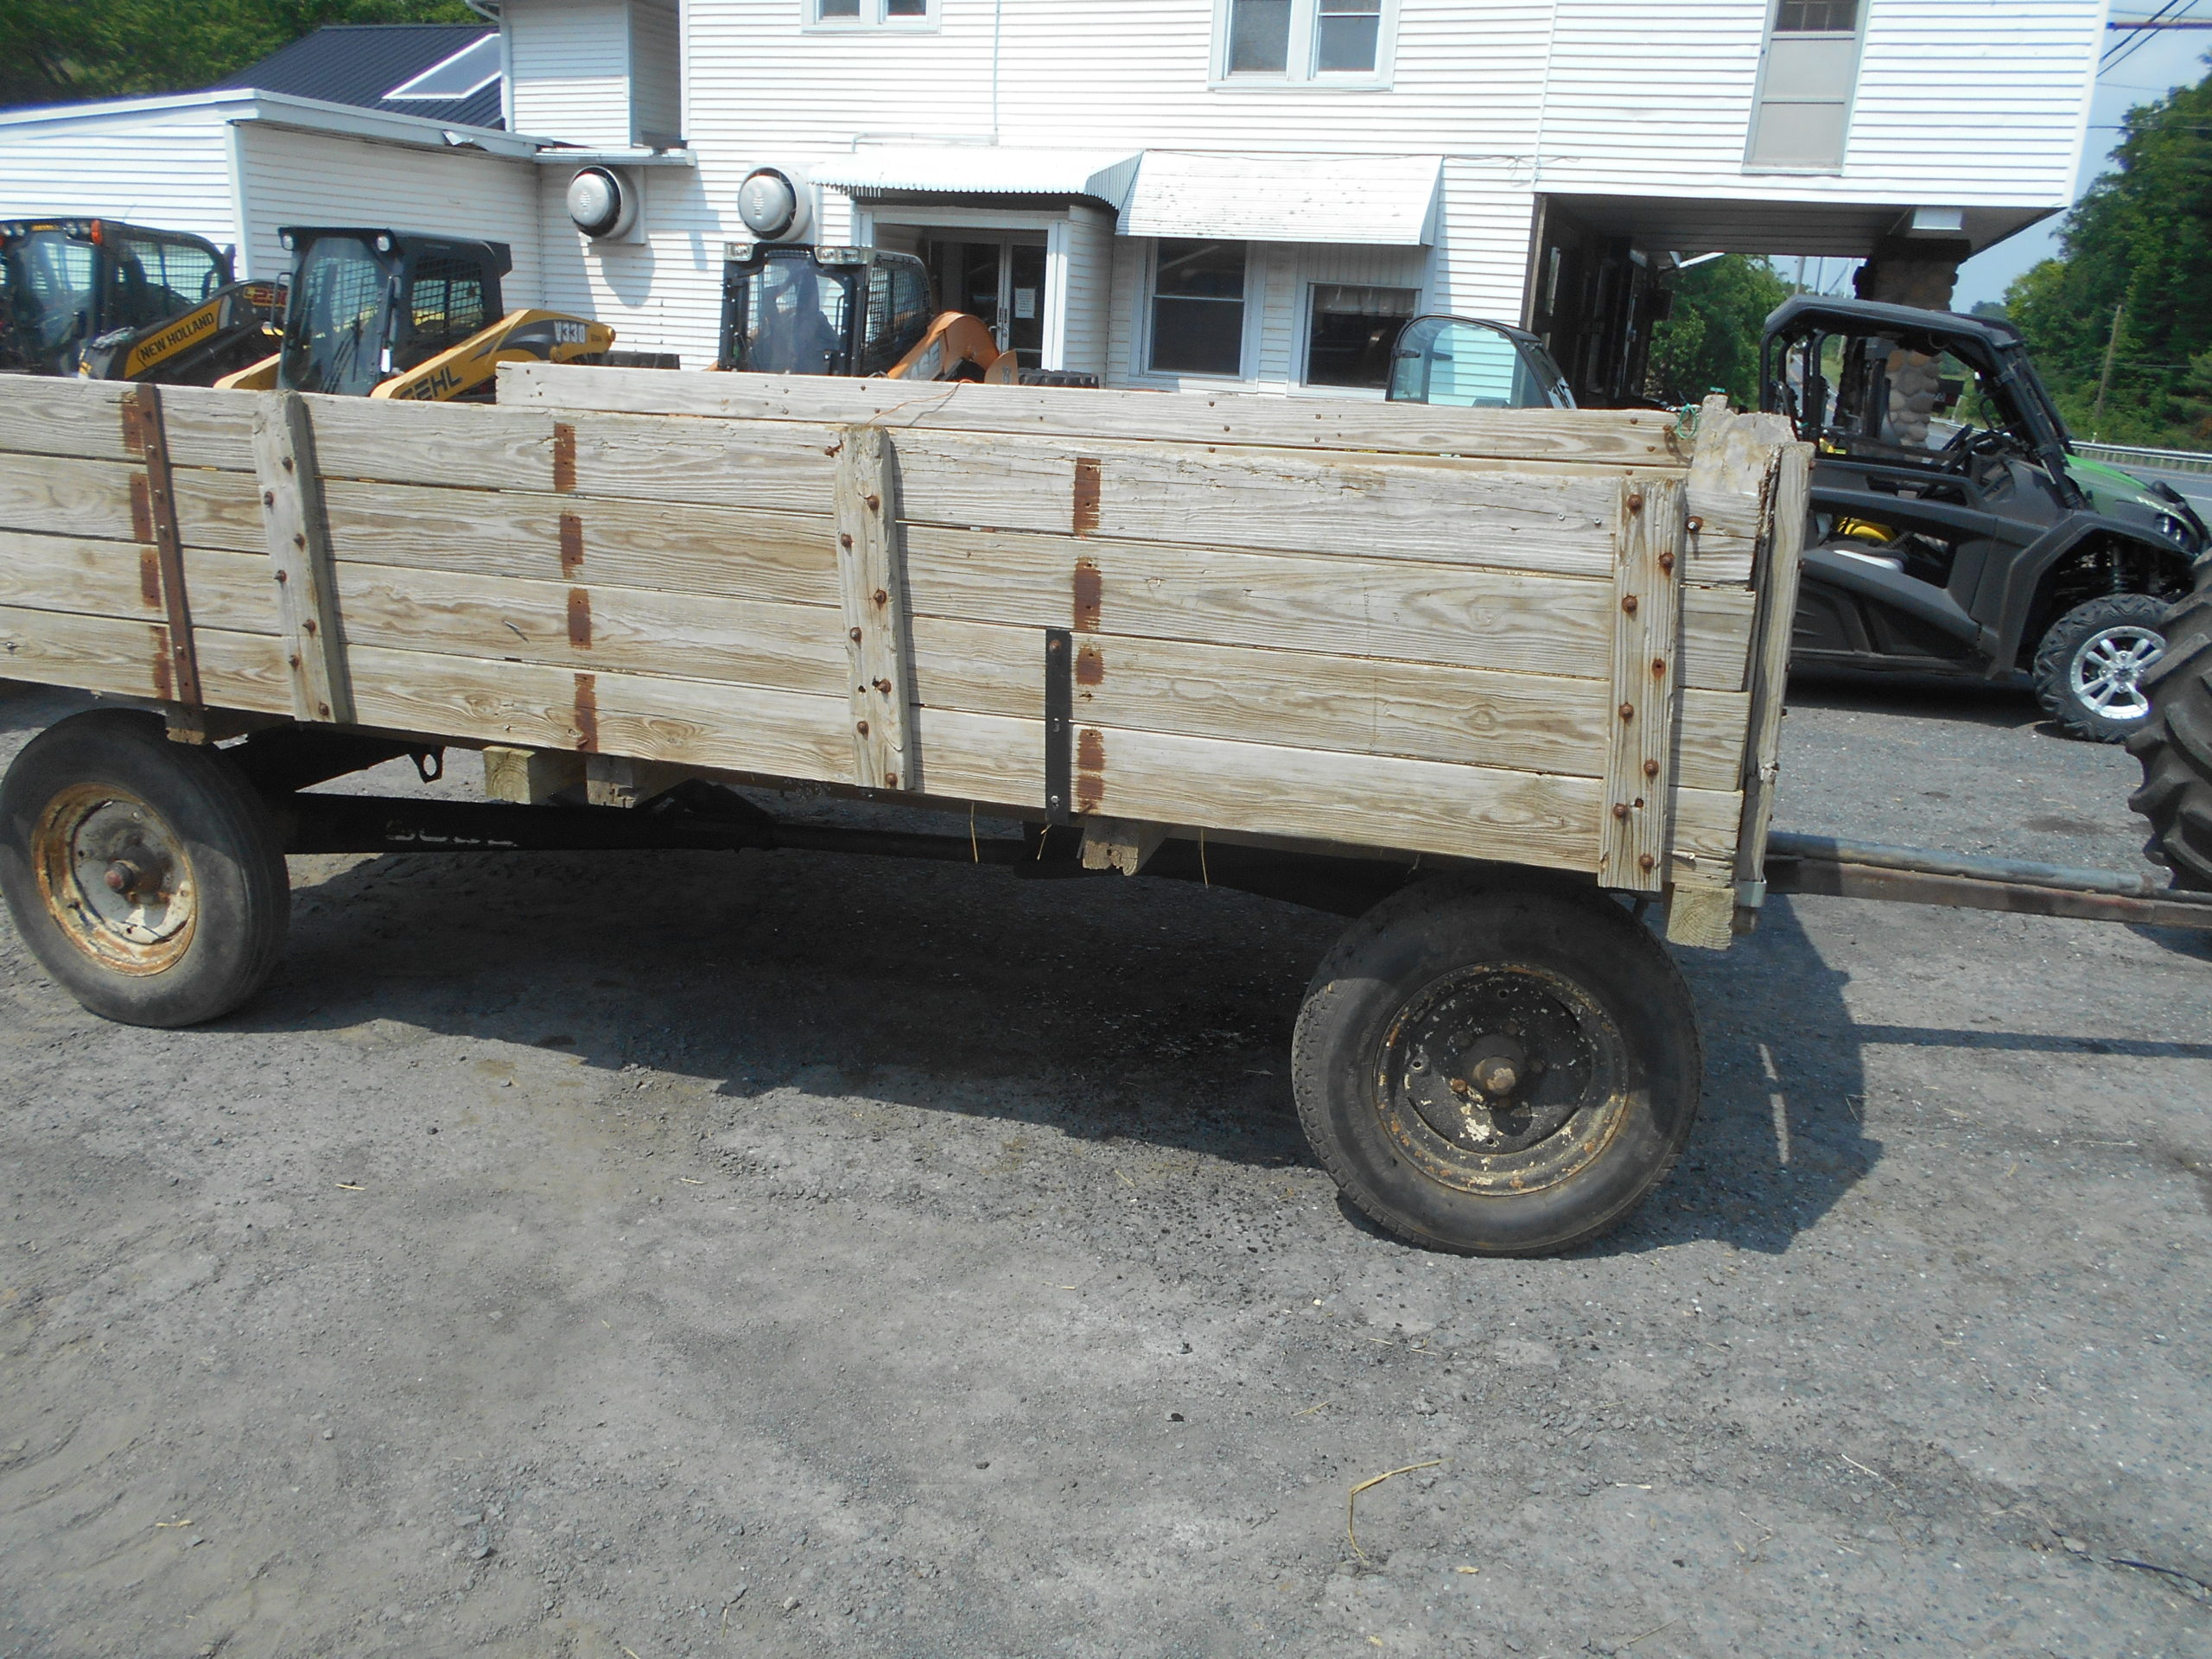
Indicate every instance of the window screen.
{"type": "Point", "coordinates": [1816, 17]}
{"type": "Point", "coordinates": [1345, 35]}
{"type": "Point", "coordinates": [170, 279]}
{"type": "Point", "coordinates": [830, 11]}
{"type": "Point", "coordinates": [1198, 308]}
{"type": "Point", "coordinates": [1350, 332]}
{"type": "Point", "coordinates": [1806, 82]}
{"type": "Point", "coordinates": [1259, 37]}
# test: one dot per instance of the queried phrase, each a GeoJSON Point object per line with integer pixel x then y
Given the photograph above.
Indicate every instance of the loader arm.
{"type": "Point", "coordinates": [469, 370]}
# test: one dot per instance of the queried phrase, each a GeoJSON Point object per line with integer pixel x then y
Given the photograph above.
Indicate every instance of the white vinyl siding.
{"type": "Point", "coordinates": [571, 67]}
{"type": "Point", "coordinates": [297, 178]}
{"type": "Point", "coordinates": [656, 73]}
{"type": "Point", "coordinates": [169, 168]}
{"type": "Point", "coordinates": [1090, 242]}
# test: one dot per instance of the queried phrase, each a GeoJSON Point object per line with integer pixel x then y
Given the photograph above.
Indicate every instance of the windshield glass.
{"type": "Point", "coordinates": [49, 291]}
{"type": "Point", "coordinates": [788, 317]}
{"type": "Point", "coordinates": [1457, 363]}
{"type": "Point", "coordinates": [334, 325]}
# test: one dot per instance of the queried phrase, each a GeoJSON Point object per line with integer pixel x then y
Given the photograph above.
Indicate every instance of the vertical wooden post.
{"type": "Point", "coordinates": [871, 586]}
{"type": "Point", "coordinates": [145, 432]}
{"type": "Point", "coordinates": [1776, 570]}
{"type": "Point", "coordinates": [299, 553]}
{"type": "Point", "coordinates": [1647, 614]}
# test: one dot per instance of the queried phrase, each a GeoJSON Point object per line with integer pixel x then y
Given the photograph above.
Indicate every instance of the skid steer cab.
{"type": "Point", "coordinates": [789, 308]}
{"type": "Point", "coordinates": [384, 314]}
{"type": "Point", "coordinates": [121, 302]}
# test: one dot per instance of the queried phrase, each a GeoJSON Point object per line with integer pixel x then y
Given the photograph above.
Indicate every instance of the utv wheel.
{"type": "Point", "coordinates": [2175, 745]}
{"type": "Point", "coordinates": [2089, 668]}
{"type": "Point", "coordinates": [146, 876]}
{"type": "Point", "coordinates": [1495, 1071]}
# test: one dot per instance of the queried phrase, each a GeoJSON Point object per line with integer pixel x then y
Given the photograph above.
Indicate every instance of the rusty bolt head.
{"type": "Point", "coordinates": [1628, 711]}
{"type": "Point", "coordinates": [1620, 809]}
{"type": "Point", "coordinates": [1496, 1076]}
{"type": "Point", "coordinates": [283, 576]}
{"type": "Point", "coordinates": [1646, 863]}
{"type": "Point", "coordinates": [884, 686]}
{"type": "Point", "coordinates": [1628, 604]}
{"type": "Point", "coordinates": [891, 780]}
{"type": "Point", "coordinates": [1635, 500]}
{"type": "Point", "coordinates": [1658, 668]}
{"type": "Point", "coordinates": [1666, 561]}
{"type": "Point", "coordinates": [854, 636]}
{"type": "Point", "coordinates": [881, 597]}
{"type": "Point", "coordinates": [844, 539]}
{"type": "Point", "coordinates": [875, 504]}
{"type": "Point", "coordinates": [1651, 768]}
{"type": "Point", "coordinates": [269, 498]}
{"type": "Point", "coordinates": [307, 627]}
{"type": "Point", "coordinates": [299, 539]}
{"type": "Point", "coordinates": [288, 463]}
{"type": "Point", "coordinates": [860, 726]}
{"type": "Point", "coordinates": [122, 876]}
{"type": "Point", "coordinates": [323, 708]}
{"type": "Point", "coordinates": [1696, 525]}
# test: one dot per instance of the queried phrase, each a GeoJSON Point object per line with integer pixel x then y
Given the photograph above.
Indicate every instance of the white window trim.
{"type": "Point", "coordinates": [1759, 98]}
{"type": "Point", "coordinates": [873, 19]}
{"type": "Point", "coordinates": [1248, 344]}
{"type": "Point", "coordinates": [1299, 75]}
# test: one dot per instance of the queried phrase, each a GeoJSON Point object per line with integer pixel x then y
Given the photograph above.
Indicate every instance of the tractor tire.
{"type": "Point", "coordinates": [2175, 745]}
{"type": "Point", "coordinates": [2089, 670]}
{"type": "Point", "coordinates": [1497, 1071]}
{"type": "Point", "coordinates": [147, 877]}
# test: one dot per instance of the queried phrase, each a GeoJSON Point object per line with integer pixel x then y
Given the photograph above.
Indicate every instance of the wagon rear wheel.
{"type": "Point", "coordinates": [1497, 1072]}
{"type": "Point", "coordinates": [145, 876]}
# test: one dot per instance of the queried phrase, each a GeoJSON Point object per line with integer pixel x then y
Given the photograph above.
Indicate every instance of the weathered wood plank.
{"type": "Point", "coordinates": [299, 557]}
{"type": "Point", "coordinates": [691, 723]}
{"type": "Point", "coordinates": [1628, 436]}
{"type": "Point", "coordinates": [1778, 582]}
{"type": "Point", "coordinates": [872, 589]}
{"type": "Point", "coordinates": [785, 647]}
{"type": "Point", "coordinates": [677, 547]}
{"type": "Point", "coordinates": [1267, 499]}
{"type": "Point", "coordinates": [1639, 750]}
{"type": "Point", "coordinates": [119, 579]}
{"type": "Point", "coordinates": [42, 416]}
{"type": "Point", "coordinates": [92, 653]}
{"type": "Point", "coordinates": [144, 431]}
{"type": "Point", "coordinates": [760, 464]}
{"type": "Point", "coordinates": [465, 445]}
{"type": "Point", "coordinates": [244, 670]}
{"type": "Point", "coordinates": [219, 510]}
{"type": "Point", "coordinates": [1716, 637]}
{"type": "Point", "coordinates": [208, 428]}
{"type": "Point", "coordinates": [61, 495]}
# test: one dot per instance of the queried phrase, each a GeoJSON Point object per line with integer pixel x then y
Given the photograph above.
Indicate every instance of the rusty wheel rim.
{"type": "Point", "coordinates": [1500, 1080]}
{"type": "Point", "coordinates": [115, 878]}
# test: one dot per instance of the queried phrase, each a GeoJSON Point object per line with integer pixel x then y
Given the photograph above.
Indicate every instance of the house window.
{"type": "Point", "coordinates": [1349, 331]}
{"type": "Point", "coordinates": [871, 13]}
{"type": "Point", "coordinates": [1345, 35]}
{"type": "Point", "coordinates": [1302, 40]}
{"type": "Point", "coordinates": [1806, 76]}
{"type": "Point", "coordinates": [1198, 308]}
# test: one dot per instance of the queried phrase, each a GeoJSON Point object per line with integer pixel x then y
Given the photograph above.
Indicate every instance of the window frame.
{"type": "Point", "coordinates": [1253, 304]}
{"type": "Point", "coordinates": [1299, 73]}
{"type": "Point", "coordinates": [874, 18]}
{"type": "Point", "coordinates": [1858, 38]}
{"type": "Point", "coordinates": [1302, 366]}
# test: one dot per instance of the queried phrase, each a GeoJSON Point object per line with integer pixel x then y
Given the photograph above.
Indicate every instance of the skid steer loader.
{"type": "Point", "coordinates": [793, 309]}
{"type": "Point", "coordinates": [118, 302]}
{"type": "Point", "coordinates": [386, 313]}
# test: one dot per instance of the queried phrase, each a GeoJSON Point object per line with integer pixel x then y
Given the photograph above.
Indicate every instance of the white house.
{"type": "Point", "coordinates": [1240, 194]}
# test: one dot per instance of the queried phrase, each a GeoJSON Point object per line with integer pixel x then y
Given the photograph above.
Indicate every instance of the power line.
{"type": "Point", "coordinates": [2146, 28]}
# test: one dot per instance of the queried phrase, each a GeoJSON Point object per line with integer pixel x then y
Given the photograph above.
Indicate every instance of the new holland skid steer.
{"type": "Point", "coordinates": [117, 302]}
{"type": "Point", "coordinates": [386, 313]}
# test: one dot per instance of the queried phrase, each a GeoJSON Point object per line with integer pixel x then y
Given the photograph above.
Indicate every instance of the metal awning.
{"type": "Point", "coordinates": [1376, 199]}
{"type": "Point", "coordinates": [982, 170]}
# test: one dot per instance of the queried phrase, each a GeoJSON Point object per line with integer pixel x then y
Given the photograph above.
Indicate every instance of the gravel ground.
{"type": "Point", "coordinates": [667, 1255]}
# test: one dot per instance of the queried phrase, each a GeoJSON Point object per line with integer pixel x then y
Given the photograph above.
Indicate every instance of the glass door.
{"type": "Point", "coordinates": [999, 279]}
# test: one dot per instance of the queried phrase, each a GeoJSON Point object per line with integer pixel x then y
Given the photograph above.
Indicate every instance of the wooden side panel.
{"type": "Point", "coordinates": [1716, 638]}
{"type": "Point", "coordinates": [208, 428]}
{"type": "Point", "coordinates": [93, 653]}
{"type": "Point", "coordinates": [467, 446]}
{"type": "Point", "coordinates": [219, 510]}
{"type": "Point", "coordinates": [64, 496]}
{"type": "Point", "coordinates": [44, 416]}
{"type": "Point", "coordinates": [244, 670]}
{"type": "Point", "coordinates": [1627, 437]}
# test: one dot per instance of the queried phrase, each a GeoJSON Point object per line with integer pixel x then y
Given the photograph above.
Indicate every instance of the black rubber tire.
{"type": "Point", "coordinates": [2175, 745]}
{"type": "Point", "coordinates": [242, 899]}
{"type": "Point", "coordinates": [1420, 938]}
{"type": "Point", "coordinates": [2053, 673]}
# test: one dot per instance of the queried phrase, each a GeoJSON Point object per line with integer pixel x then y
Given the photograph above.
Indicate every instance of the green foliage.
{"type": "Point", "coordinates": [55, 51]}
{"type": "Point", "coordinates": [2139, 244]}
{"type": "Point", "coordinates": [1713, 337]}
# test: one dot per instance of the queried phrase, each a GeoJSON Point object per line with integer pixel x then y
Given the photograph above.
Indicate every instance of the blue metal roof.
{"type": "Point", "coordinates": [363, 64]}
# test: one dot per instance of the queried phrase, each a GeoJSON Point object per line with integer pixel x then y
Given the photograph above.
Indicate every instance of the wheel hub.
{"type": "Point", "coordinates": [116, 878]}
{"type": "Point", "coordinates": [1500, 1078]}
{"type": "Point", "coordinates": [2108, 670]}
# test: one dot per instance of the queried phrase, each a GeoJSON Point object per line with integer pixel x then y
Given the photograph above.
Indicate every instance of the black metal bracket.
{"type": "Point", "coordinates": [1059, 722]}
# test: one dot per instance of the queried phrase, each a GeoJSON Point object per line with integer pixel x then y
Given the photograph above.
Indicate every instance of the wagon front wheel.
{"type": "Point", "coordinates": [1497, 1071]}
{"type": "Point", "coordinates": [145, 876]}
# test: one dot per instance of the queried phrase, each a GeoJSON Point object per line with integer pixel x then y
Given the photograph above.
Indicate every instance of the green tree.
{"type": "Point", "coordinates": [1712, 337]}
{"type": "Point", "coordinates": [2134, 279]}
{"type": "Point", "coordinates": [55, 51]}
